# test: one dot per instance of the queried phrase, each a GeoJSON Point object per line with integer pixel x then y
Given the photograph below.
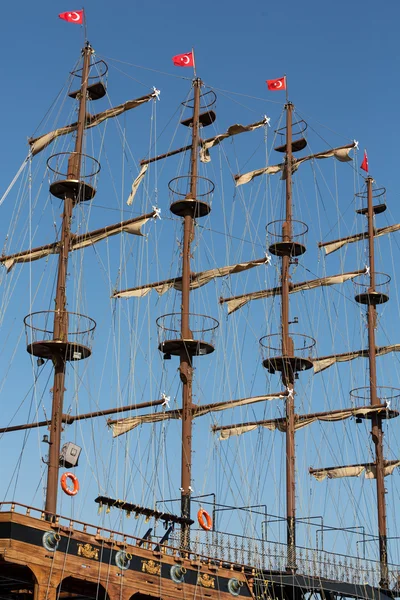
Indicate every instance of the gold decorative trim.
{"type": "Point", "coordinates": [88, 551]}
{"type": "Point", "coordinates": [206, 581]}
{"type": "Point", "coordinates": [151, 567]}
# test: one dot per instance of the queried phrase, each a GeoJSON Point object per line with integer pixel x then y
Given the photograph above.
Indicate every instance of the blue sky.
{"type": "Point", "coordinates": [341, 60]}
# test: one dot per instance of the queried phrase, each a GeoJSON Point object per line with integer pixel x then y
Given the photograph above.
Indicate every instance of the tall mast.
{"type": "Point", "coordinates": [185, 367]}
{"type": "Point", "coordinates": [61, 315]}
{"type": "Point", "coordinates": [287, 357]}
{"type": "Point", "coordinates": [287, 351]}
{"type": "Point", "coordinates": [178, 340]}
{"type": "Point", "coordinates": [377, 434]}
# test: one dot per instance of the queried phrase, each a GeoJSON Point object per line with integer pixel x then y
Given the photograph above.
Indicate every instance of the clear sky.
{"type": "Point", "coordinates": [341, 60]}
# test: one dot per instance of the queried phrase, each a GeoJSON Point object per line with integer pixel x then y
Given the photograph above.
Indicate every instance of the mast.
{"type": "Point", "coordinates": [177, 330]}
{"type": "Point", "coordinates": [61, 316]}
{"type": "Point", "coordinates": [292, 354]}
{"type": "Point", "coordinates": [377, 433]}
{"type": "Point", "coordinates": [185, 367]}
{"type": "Point", "coordinates": [287, 350]}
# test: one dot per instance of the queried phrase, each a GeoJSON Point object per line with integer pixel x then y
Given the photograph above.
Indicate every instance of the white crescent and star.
{"type": "Point", "coordinates": [71, 16]}
{"type": "Point", "coordinates": [278, 84]}
{"type": "Point", "coordinates": [185, 59]}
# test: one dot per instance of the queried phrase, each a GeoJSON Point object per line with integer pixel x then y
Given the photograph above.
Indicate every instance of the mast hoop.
{"type": "Point", "coordinates": [303, 126]}
{"type": "Point", "coordinates": [378, 294]}
{"type": "Point", "coordinates": [376, 193]}
{"type": "Point", "coordinates": [96, 165]}
{"type": "Point", "coordinates": [207, 104]}
{"type": "Point", "coordinates": [361, 396]}
{"type": "Point", "coordinates": [78, 72]}
{"type": "Point", "coordinates": [213, 323]}
{"type": "Point", "coordinates": [299, 229]}
{"type": "Point", "coordinates": [175, 184]}
{"type": "Point", "coordinates": [381, 280]}
{"type": "Point", "coordinates": [268, 343]}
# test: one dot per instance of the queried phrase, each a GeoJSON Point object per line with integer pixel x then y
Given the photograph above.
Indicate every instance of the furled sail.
{"type": "Point", "coordinates": [323, 362]}
{"type": "Point", "coordinates": [227, 431]}
{"type": "Point", "coordinates": [124, 425]}
{"type": "Point", "coordinates": [205, 145]}
{"type": "Point", "coordinates": [341, 154]}
{"type": "Point", "coordinates": [354, 470]}
{"type": "Point", "coordinates": [132, 226]}
{"type": "Point", "coordinates": [236, 302]}
{"type": "Point", "coordinates": [336, 244]}
{"type": "Point", "coordinates": [40, 143]}
{"type": "Point", "coordinates": [196, 280]}
{"type": "Point", "coordinates": [136, 183]}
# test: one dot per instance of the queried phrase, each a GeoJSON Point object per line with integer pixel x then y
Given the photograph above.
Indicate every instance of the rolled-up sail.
{"type": "Point", "coordinates": [369, 469]}
{"type": "Point", "coordinates": [124, 425]}
{"type": "Point", "coordinates": [323, 362]}
{"type": "Point", "coordinates": [132, 226]}
{"type": "Point", "coordinates": [236, 302]}
{"type": "Point", "coordinates": [40, 143]}
{"type": "Point", "coordinates": [227, 431]}
{"type": "Point", "coordinates": [341, 154]}
{"type": "Point", "coordinates": [334, 245]}
{"type": "Point", "coordinates": [197, 280]}
{"type": "Point", "coordinates": [205, 145]}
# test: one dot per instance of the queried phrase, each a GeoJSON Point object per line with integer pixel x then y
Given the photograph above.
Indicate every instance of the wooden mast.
{"type": "Point", "coordinates": [287, 351]}
{"type": "Point", "coordinates": [186, 368]}
{"type": "Point", "coordinates": [61, 316]}
{"type": "Point", "coordinates": [377, 434]}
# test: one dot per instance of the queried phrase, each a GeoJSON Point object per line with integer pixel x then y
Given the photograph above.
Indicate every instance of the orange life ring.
{"type": "Point", "coordinates": [64, 486]}
{"type": "Point", "coordinates": [207, 523]}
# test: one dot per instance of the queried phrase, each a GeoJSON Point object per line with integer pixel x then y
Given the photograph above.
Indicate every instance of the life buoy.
{"type": "Point", "coordinates": [204, 519]}
{"type": "Point", "coordinates": [69, 491]}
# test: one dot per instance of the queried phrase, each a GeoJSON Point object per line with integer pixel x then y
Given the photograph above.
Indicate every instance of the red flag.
{"type": "Point", "coordinates": [183, 60]}
{"type": "Point", "coordinates": [276, 84]}
{"type": "Point", "coordinates": [364, 164]}
{"type": "Point", "coordinates": [75, 16]}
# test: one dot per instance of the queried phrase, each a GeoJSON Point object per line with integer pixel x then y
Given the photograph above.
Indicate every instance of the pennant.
{"type": "Point", "coordinates": [183, 60]}
{"type": "Point", "coordinates": [75, 16]}
{"type": "Point", "coordinates": [276, 84]}
{"type": "Point", "coordinates": [364, 164]}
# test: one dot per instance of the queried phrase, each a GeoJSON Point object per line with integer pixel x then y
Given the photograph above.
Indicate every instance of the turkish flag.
{"type": "Point", "coordinates": [74, 16]}
{"type": "Point", "coordinates": [183, 60]}
{"type": "Point", "coordinates": [276, 84]}
{"type": "Point", "coordinates": [364, 164]}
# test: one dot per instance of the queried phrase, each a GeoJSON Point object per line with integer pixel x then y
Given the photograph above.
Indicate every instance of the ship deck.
{"type": "Point", "coordinates": [84, 565]}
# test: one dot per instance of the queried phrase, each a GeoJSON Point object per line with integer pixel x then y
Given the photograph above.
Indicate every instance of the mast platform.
{"type": "Point", "coordinates": [171, 342]}
{"type": "Point", "coordinates": [184, 203]}
{"type": "Point", "coordinates": [366, 295]}
{"type": "Point", "coordinates": [41, 342]}
{"type": "Point", "coordinates": [281, 243]}
{"type": "Point", "coordinates": [297, 358]}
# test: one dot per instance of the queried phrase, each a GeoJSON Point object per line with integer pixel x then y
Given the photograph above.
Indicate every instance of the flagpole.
{"type": "Point", "coordinates": [84, 24]}
{"type": "Point", "coordinates": [287, 90]}
{"type": "Point", "coordinates": [194, 64]}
